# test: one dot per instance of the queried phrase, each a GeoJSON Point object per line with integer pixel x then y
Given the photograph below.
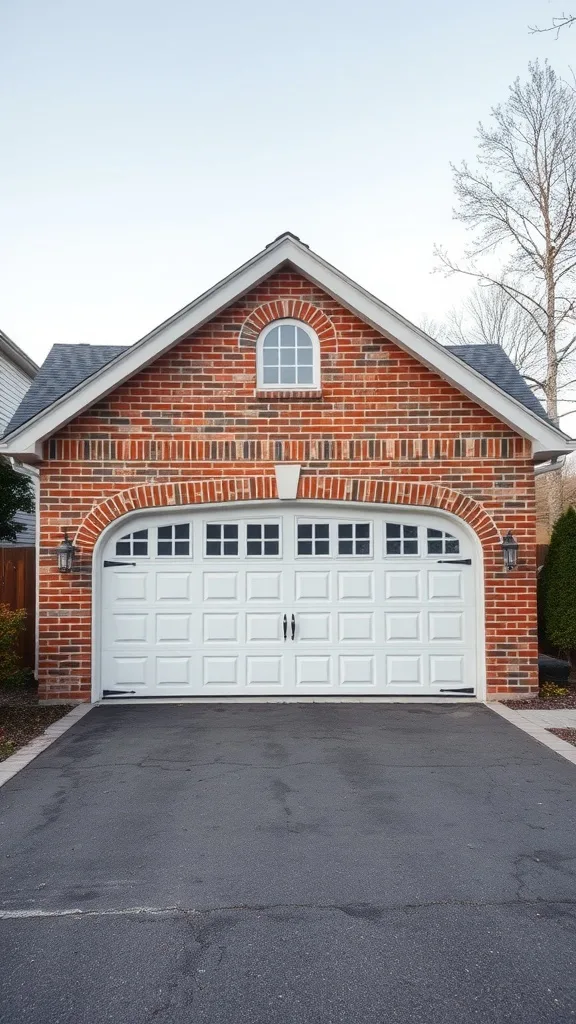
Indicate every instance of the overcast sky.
{"type": "Point", "coordinates": [149, 148]}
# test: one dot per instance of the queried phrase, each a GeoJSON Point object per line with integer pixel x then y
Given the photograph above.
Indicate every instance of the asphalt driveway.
{"type": "Point", "coordinates": [303, 864]}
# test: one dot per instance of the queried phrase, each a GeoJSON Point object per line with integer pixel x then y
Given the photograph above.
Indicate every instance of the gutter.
{"type": "Point", "coordinates": [554, 466]}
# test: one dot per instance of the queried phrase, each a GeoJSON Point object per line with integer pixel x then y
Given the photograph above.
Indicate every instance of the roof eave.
{"type": "Point", "coordinates": [15, 354]}
{"type": "Point", "coordinates": [287, 250]}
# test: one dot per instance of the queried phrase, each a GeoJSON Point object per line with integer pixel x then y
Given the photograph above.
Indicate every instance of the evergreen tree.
{"type": "Point", "coordinates": [557, 587]}
{"type": "Point", "coordinates": [16, 495]}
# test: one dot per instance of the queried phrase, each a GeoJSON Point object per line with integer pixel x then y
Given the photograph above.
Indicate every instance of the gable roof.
{"type": "Point", "coordinates": [25, 440]}
{"type": "Point", "coordinates": [16, 355]}
{"type": "Point", "coordinates": [65, 367]}
{"type": "Point", "coordinates": [492, 362]}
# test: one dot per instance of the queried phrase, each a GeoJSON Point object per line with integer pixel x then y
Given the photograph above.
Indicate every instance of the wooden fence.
{"type": "Point", "coordinates": [18, 589]}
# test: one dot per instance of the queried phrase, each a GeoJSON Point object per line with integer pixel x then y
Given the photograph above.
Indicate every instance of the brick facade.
{"type": "Point", "coordinates": [192, 428]}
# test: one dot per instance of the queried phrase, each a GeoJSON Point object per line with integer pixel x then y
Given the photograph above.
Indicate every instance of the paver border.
{"type": "Point", "coordinates": [17, 761]}
{"type": "Point", "coordinates": [538, 729]}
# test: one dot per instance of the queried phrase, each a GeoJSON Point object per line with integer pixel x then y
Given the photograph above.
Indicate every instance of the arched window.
{"type": "Point", "coordinates": [288, 356]}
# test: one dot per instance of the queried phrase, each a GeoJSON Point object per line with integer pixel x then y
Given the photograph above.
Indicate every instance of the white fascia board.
{"type": "Point", "coordinates": [286, 249]}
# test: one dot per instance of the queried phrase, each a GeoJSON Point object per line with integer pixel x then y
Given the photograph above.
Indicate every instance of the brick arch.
{"type": "Point", "coordinates": [261, 488]}
{"type": "Point", "coordinates": [279, 309]}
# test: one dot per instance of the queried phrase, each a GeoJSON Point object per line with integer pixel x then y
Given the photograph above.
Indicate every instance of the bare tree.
{"type": "Point", "coordinates": [519, 202]}
{"type": "Point", "coordinates": [558, 23]}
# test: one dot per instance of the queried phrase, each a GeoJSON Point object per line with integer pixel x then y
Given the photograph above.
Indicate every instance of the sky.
{"type": "Point", "coordinates": [150, 148]}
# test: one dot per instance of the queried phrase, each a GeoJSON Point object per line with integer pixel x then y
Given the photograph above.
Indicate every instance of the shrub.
{"type": "Point", "coordinates": [551, 691]}
{"type": "Point", "coordinates": [12, 624]}
{"type": "Point", "coordinates": [557, 587]}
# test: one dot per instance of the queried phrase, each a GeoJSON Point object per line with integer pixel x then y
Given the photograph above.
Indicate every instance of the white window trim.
{"type": "Point", "coordinates": [316, 382]}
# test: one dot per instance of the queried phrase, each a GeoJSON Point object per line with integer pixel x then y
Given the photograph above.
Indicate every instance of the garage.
{"type": "Point", "coordinates": [286, 600]}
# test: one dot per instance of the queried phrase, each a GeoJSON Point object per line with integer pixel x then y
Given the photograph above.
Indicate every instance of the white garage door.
{"type": "Point", "coordinates": [298, 600]}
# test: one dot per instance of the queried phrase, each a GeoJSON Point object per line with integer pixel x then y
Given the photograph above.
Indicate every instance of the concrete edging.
{"type": "Point", "coordinates": [17, 761]}
{"type": "Point", "coordinates": [537, 728]}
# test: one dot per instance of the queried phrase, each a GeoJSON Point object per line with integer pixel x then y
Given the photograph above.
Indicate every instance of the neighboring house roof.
{"type": "Point", "coordinates": [492, 362]}
{"type": "Point", "coordinates": [15, 354]}
{"type": "Point", "coordinates": [25, 439]}
{"type": "Point", "coordinates": [65, 367]}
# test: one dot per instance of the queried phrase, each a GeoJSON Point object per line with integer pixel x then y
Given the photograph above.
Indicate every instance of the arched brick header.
{"type": "Point", "coordinates": [260, 488]}
{"type": "Point", "coordinates": [279, 309]}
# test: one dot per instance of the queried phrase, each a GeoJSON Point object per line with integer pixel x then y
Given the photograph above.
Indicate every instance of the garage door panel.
{"type": "Point", "coordinates": [173, 671]}
{"type": "Point", "coordinates": [173, 627]}
{"type": "Point", "coordinates": [314, 671]}
{"type": "Point", "coordinates": [312, 586]}
{"type": "Point", "coordinates": [357, 670]}
{"type": "Point", "coordinates": [173, 586]}
{"type": "Point", "coordinates": [313, 626]}
{"type": "Point", "coordinates": [355, 626]}
{"type": "Point", "coordinates": [262, 627]}
{"type": "Point", "coordinates": [447, 670]}
{"type": "Point", "coordinates": [445, 585]}
{"type": "Point", "coordinates": [446, 626]}
{"type": "Point", "coordinates": [131, 628]}
{"type": "Point", "coordinates": [220, 586]}
{"type": "Point", "coordinates": [356, 586]}
{"type": "Point", "coordinates": [404, 671]}
{"type": "Point", "coordinates": [265, 671]}
{"type": "Point", "coordinates": [403, 625]}
{"type": "Point", "coordinates": [402, 585]}
{"type": "Point", "coordinates": [129, 671]}
{"type": "Point", "coordinates": [263, 586]}
{"type": "Point", "coordinates": [221, 627]}
{"type": "Point", "coordinates": [221, 670]}
{"type": "Point", "coordinates": [129, 587]}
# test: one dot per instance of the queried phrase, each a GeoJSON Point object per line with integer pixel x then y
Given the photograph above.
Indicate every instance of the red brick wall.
{"type": "Point", "coordinates": [194, 415]}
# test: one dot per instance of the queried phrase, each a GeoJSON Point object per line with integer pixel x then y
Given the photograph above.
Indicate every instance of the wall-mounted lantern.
{"type": "Point", "coordinates": [510, 550]}
{"type": "Point", "coordinates": [65, 553]}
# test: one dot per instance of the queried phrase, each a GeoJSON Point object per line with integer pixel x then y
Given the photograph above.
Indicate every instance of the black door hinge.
{"type": "Point", "coordinates": [107, 563]}
{"type": "Point", "coordinates": [446, 561]}
{"type": "Point", "coordinates": [463, 689]}
{"type": "Point", "coordinates": [116, 693]}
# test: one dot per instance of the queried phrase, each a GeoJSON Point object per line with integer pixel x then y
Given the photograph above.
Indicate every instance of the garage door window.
{"type": "Point", "coordinates": [401, 539]}
{"type": "Point", "coordinates": [262, 539]}
{"type": "Point", "coordinates": [174, 540]}
{"type": "Point", "coordinates": [313, 538]}
{"type": "Point", "coordinates": [133, 543]}
{"type": "Point", "coordinates": [354, 539]}
{"type": "Point", "coordinates": [221, 539]}
{"type": "Point", "coordinates": [440, 543]}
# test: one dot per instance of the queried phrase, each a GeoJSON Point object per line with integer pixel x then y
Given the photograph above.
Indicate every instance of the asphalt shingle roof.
{"type": "Point", "coordinates": [492, 362]}
{"type": "Point", "coordinates": [68, 365]}
{"type": "Point", "coordinates": [65, 367]}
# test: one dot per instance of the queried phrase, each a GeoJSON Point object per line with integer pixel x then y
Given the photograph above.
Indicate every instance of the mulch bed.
{"type": "Point", "coordinates": [535, 704]}
{"type": "Point", "coordinates": [565, 734]}
{"type": "Point", "coordinates": [22, 718]}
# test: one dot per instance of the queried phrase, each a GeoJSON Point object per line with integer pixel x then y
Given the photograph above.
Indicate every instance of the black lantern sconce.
{"type": "Point", "coordinates": [65, 553]}
{"type": "Point", "coordinates": [510, 551]}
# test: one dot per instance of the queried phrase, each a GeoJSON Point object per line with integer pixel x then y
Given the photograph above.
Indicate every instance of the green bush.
{"type": "Point", "coordinates": [557, 587]}
{"type": "Point", "coordinates": [12, 624]}
{"type": "Point", "coordinates": [551, 691]}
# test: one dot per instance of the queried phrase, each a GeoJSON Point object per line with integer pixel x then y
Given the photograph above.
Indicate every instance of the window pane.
{"type": "Point", "coordinates": [213, 530]}
{"type": "Point", "coordinates": [272, 530]}
{"type": "Point", "coordinates": [140, 547]}
{"type": "Point", "coordinates": [362, 547]}
{"type": "Point", "coordinates": [410, 547]}
{"type": "Point", "coordinates": [253, 547]}
{"type": "Point", "coordinates": [181, 547]}
{"type": "Point", "coordinates": [362, 529]}
{"type": "Point", "coordinates": [392, 530]}
{"type": "Point", "coordinates": [181, 531]}
{"type": "Point", "coordinates": [287, 336]}
{"type": "Point", "coordinates": [164, 532]}
{"type": "Point", "coordinates": [270, 375]}
{"type": "Point", "coordinates": [253, 530]}
{"type": "Point", "coordinates": [230, 547]}
{"type": "Point", "coordinates": [305, 356]}
{"type": "Point", "coordinates": [271, 547]}
{"type": "Point", "coordinates": [322, 530]}
{"type": "Point", "coordinates": [345, 529]}
{"type": "Point", "coordinates": [345, 547]}
{"type": "Point", "coordinates": [304, 547]}
{"type": "Point", "coordinates": [123, 547]}
{"type": "Point", "coordinates": [270, 357]}
{"type": "Point", "coordinates": [272, 339]}
{"type": "Point", "coordinates": [452, 546]}
{"type": "Point", "coordinates": [304, 339]}
{"type": "Point", "coordinates": [164, 547]}
{"type": "Point", "coordinates": [434, 533]}
{"type": "Point", "coordinates": [288, 357]}
{"type": "Point", "coordinates": [231, 530]}
{"type": "Point", "coordinates": [322, 547]}
{"type": "Point", "coordinates": [393, 547]}
{"type": "Point", "coordinates": [288, 375]}
{"type": "Point", "coordinates": [435, 547]}
{"type": "Point", "coordinates": [410, 531]}
{"type": "Point", "coordinates": [213, 547]}
{"type": "Point", "coordinates": [140, 535]}
{"type": "Point", "coordinates": [305, 375]}
{"type": "Point", "coordinates": [305, 529]}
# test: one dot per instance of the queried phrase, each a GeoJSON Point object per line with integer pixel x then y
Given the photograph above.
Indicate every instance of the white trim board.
{"type": "Point", "coordinates": [548, 441]}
